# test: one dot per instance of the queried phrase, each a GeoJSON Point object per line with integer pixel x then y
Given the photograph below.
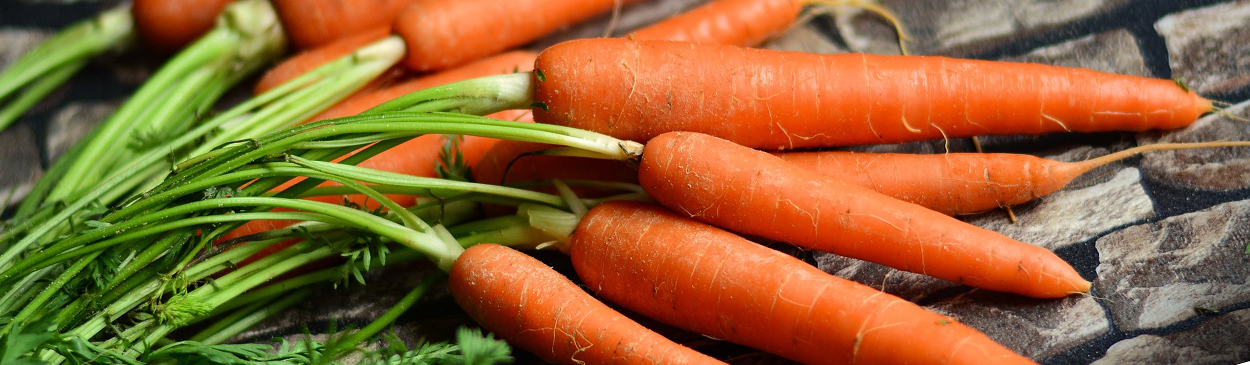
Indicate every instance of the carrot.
{"type": "Point", "coordinates": [752, 192]}
{"type": "Point", "coordinates": [442, 34]}
{"type": "Point", "coordinates": [768, 99]}
{"type": "Point", "coordinates": [736, 22]}
{"type": "Point", "coordinates": [963, 183]}
{"type": "Point", "coordinates": [168, 25]}
{"type": "Point", "coordinates": [313, 23]}
{"type": "Point", "coordinates": [537, 309]}
{"type": "Point", "coordinates": [706, 280]}
{"type": "Point", "coordinates": [308, 60]}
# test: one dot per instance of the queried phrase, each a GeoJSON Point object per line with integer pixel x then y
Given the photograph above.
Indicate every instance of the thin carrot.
{"type": "Point", "coordinates": [442, 34]}
{"type": "Point", "coordinates": [768, 99]}
{"type": "Point", "coordinates": [752, 192]}
{"type": "Point", "coordinates": [537, 309]}
{"type": "Point", "coordinates": [963, 183]}
{"type": "Point", "coordinates": [313, 23]}
{"type": "Point", "coordinates": [706, 280]}
{"type": "Point", "coordinates": [305, 61]}
{"type": "Point", "coordinates": [168, 25]}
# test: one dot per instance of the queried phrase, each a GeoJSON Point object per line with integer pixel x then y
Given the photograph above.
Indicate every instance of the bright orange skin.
{"type": "Point", "coordinates": [442, 34]}
{"type": "Point", "coordinates": [743, 23]}
{"type": "Point", "coordinates": [313, 23]}
{"type": "Point", "coordinates": [781, 100]}
{"type": "Point", "coordinates": [535, 308]}
{"type": "Point", "coordinates": [755, 193]}
{"type": "Point", "coordinates": [169, 25]}
{"type": "Point", "coordinates": [951, 183]}
{"type": "Point", "coordinates": [303, 62]}
{"type": "Point", "coordinates": [706, 280]}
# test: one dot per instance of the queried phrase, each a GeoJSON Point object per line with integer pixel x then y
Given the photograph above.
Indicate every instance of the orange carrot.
{"type": "Point", "coordinates": [313, 23]}
{"type": "Point", "coordinates": [778, 100]}
{"type": "Point", "coordinates": [168, 25]}
{"type": "Point", "coordinates": [442, 34]}
{"type": "Point", "coordinates": [706, 280]}
{"type": "Point", "coordinates": [735, 22]}
{"type": "Point", "coordinates": [537, 309]}
{"type": "Point", "coordinates": [308, 60]}
{"type": "Point", "coordinates": [752, 192]}
{"type": "Point", "coordinates": [963, 183]}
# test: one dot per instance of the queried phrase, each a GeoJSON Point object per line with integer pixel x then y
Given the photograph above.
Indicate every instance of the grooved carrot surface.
{"type": "Point", "coordinates": [710, 281]}
{"type": "Point", "coordinates": [313, 23]}
{"type": "Point", "coordinates": [736, 22]}
{"type": "Point", "coordinates": [778, 100]}
{"type": "Point", "coordinates": [755, 193]}
{"type": "Point", "coordinates": [535, 308]}
{"type": "Point", "coordinates": [442, 34]}
{"type": "Point", "coordinates": [951, 183]}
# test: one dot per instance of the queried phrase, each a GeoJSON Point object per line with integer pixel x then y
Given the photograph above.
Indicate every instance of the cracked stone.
{"type": "Point", "coordinates": [73, 122]}
{"type": "Point", "coordinates": [1115, 51]}
{"type": "Point", "coordinates": [1158, 274]}
{"type": "Point", "coordinates": [907, 285]}
{"type": "Point", "coordinates": [1220, 340]}
{"type": "Point", "coordinates": [1216, 169]}
{"type": "Point", "coordinates": [1207, 47]}
{"type": "Point", "coordinates": [1035, 328]}
{"type": "Point", "coordinates": [963, 28]}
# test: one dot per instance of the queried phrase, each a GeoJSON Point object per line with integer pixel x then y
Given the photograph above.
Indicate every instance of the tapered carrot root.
{"type": "Point", "coordinates": [752, 192]}
{"type": "Point", "coordinates": [713, 282]}
{"type": "Point", "coordinates": [535, 308]}
{"type": "Point", "coordinates": [735, 22]}
{"type": "Point", "coordinates": [963, 183]}
{"type": "Point", "coordinates": [443, 34]}
{"type": "Point", "coordinates": [168, 25]}
{"type": "Point", "coordinates": [779, 100]}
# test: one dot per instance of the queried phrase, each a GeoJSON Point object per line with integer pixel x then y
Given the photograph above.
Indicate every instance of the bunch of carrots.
{"type": "Point", "coordinates": [645, 158]}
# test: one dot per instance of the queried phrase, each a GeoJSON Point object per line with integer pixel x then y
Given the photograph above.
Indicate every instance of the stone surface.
{"type": "Point", "coordinates": [1207, 48]}
{"type": "Point", "coordinates": [1155, 275]}
{"type": "Point", "coordinates": [805, 39]}
{"type": "Point", "coordinates": [19, 164]}
{"type": "Point", "coordinates": [17, 42]}
{"type": "Point", "coordinates": [907, 285]}
{"type": "Point", "coordinates": [1207, 168]}
{"type": "Point", "coordinates": [1115, 51]}
{"type": "Point", "coordinates": [633, 16]}
{"type": "Point", "coordinates": [73, 122]}
{"type": "Point", "coordinates": [1034, 328]}
{"type": "Point", "coordinates": [1219, 340]}
{"type": "Point", "coordinates": [968, 27]}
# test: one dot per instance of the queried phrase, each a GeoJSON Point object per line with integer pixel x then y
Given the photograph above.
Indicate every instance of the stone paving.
{"type": "Point", "coordinates": [1162, 236]}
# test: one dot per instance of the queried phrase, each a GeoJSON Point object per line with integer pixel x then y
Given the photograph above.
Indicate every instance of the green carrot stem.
{"type": "Point", "coordinates": [352, 340]}
{"type": "Point", "coordinates": [36, 91]}
{"type": "Point", "coordinates": [434, 187]}
{"type": "Point", "coordinates": [228, 327]}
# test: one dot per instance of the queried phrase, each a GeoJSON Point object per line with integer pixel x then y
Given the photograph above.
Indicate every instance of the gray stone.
{"type": "Point", "coordinates": [1220, 340]}
{"type": "Point", "coordinates": [907, 285]}
{"type": "Point", "coordinates": [19, 164]}
{"type": "Point", "coordinates": [1158, 274]}
{"type": "Point", "coordinates": [1207, 48]}
{"type": "Point", "coordinates": [804, 39]}
{"type": "Point", "coordinates": [73, 122]}
{"type": "Point", "coordinates": [1207, 168]}
{"type": "Point", "coordinates": [966, 27]}
{"type": "Point", "coordinates": [18, 41]}
{"type": "Point", "coordinates": [1115, 51]}
{"type": "Point", "coordinates": [1036, 328]}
